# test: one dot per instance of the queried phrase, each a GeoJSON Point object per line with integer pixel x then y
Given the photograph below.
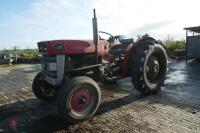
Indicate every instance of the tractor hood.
{"type": "Point", "coordinates": [71, 46]}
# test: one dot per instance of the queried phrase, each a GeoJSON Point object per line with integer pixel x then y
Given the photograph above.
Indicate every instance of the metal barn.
{"type": "Point", "coordinates": [193, 42]}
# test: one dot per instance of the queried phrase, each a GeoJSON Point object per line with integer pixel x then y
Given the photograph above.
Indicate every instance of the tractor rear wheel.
{"type": "Point", "coordinates": [148, 66]}
{"type": "Point", "coordinates": [79, 99]}
{"type": "Point", "coordinates": [42, 89]}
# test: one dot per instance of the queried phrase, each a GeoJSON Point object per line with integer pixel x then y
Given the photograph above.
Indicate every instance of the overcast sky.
{"type": "Point", "coordinates": [24, 22]}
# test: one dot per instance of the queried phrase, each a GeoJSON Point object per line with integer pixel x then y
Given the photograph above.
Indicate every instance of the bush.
{"type": "Point", "coordinates": [5, 51]}
{"type": "Point", "coordinates": [174, 48]}
{"type": "Point", "coordinates": [28, 53]}
{"type": "Point", "coordinates": [174, 44]}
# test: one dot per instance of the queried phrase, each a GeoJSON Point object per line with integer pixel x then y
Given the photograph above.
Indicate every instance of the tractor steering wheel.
{"type": "Point", "coordinates": [110, 39]}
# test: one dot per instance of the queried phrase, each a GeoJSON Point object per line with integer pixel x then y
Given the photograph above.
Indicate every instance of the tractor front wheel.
{"type": "Point", "coordinates": [148, 67]}
{"type": "Point", "coordinates": [42, 89]}
{"type": "Point", "coordinates": [79, 99]}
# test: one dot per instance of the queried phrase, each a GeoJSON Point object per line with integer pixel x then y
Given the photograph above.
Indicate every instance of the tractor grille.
{"type": "Point", "coordinates": [49, 65]}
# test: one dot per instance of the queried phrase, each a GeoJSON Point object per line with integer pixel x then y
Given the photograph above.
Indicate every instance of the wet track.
{"type": "Point", "coordinates": [175, 109]}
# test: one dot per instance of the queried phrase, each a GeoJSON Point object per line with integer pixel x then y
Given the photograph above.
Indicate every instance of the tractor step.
{"type": "Point", "coordinates": [116, 78]}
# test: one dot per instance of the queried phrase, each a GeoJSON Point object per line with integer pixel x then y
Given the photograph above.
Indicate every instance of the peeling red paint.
{"type": "Point", "coordinates": [13, 122]}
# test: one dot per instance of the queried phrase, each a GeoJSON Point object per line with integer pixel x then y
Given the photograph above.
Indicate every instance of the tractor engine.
{"type": "Point", "coordinates": [59, 67]}
{"type": "Point", "coordinates": [114, 66]}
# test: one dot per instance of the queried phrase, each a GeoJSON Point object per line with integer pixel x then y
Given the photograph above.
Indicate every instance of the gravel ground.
{"type": "Point", "coordinates": [175, 109]}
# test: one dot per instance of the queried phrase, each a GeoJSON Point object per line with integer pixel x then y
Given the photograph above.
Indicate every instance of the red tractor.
{"type": "Point", "coordinates": [72, 68]}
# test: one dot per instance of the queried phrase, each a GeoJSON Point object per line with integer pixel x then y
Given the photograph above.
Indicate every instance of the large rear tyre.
{"type": "Point", "coordinates": [148, 66]}
{"type": "Point", "coordinates": [42, 89]}
{"type": "Point", "coordinates": [79, 99]}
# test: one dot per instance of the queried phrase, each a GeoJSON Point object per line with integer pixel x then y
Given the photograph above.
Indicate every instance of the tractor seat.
{"type": "Point", "coordinates": [118, 48]}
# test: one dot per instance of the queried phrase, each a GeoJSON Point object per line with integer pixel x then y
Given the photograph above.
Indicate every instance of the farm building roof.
{"type": "Point", "coordinates": [193, 29]}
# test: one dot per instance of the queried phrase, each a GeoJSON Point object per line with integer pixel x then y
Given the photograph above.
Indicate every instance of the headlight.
{"type": "Point", "coordinates": [59, 47]}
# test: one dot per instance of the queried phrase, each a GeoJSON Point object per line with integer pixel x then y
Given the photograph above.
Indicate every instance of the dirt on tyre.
{"type": "Point", "coordinates": [79, 99]}
{"type": "Point", "coordinates": [148, 66]}
{"type": "Point", "coordinates": [42, 89]}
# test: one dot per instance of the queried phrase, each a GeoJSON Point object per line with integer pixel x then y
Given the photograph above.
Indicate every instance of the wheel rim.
{"type": "Point", "coordinates": [152, 69]}
{"type": "Point", "coordinates": [81, 100]}
{"type": "Point", "coordinates": [46, 89]}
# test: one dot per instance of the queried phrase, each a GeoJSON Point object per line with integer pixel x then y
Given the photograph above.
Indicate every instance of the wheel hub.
{"type": "Point", "coordinates": [81, 99]}
{"type": "Point", "coordinates": [47, 89]}
{"type": "Point", "coordinates": [152, 68]}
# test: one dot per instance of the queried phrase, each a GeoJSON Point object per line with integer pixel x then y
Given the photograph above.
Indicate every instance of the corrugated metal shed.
{"type": "Point", "coordinates": [193, 29]}
{"type": "Point", "coordinates": [193, 42]}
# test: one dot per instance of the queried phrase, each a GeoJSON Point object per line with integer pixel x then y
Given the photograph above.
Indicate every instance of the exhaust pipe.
{"type": "Point", "coordinates": [95, 33]}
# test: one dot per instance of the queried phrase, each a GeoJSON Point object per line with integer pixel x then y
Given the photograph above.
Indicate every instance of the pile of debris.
{"type": "Point", "coordinates": [7, 58]}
